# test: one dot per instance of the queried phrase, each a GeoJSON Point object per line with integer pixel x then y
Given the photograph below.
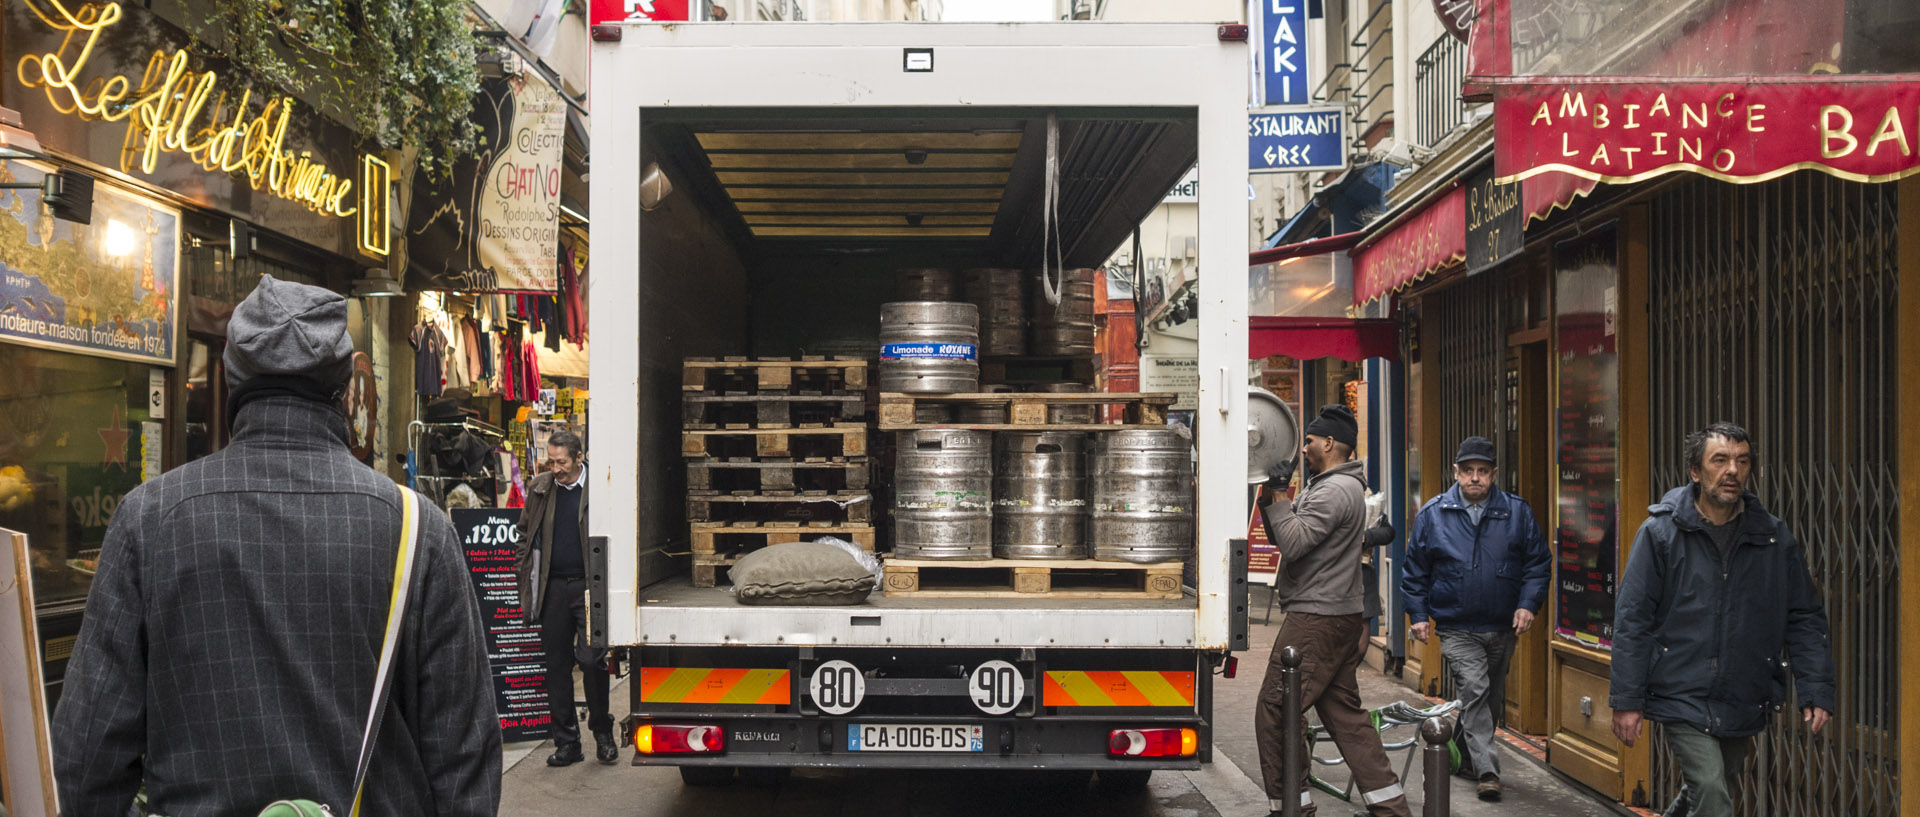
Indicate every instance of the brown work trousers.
{"type": "Point", "coordinates": [1330, 650]}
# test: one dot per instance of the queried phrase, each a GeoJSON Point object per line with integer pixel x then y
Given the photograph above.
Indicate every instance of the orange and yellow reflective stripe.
{"type": "Point", "coordinates": [1091, 688]}
{"type": "Point", "coordinates": [667, 685]}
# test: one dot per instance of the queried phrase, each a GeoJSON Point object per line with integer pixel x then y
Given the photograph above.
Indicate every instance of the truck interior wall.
{"type": "Point", "coordinates": [693, 302]}
{"type": "Point", "coordinates": [822, 300]}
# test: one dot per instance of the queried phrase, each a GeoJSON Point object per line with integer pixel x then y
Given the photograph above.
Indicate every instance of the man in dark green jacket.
{"type": "Point", "coordinates": [1716, 589]}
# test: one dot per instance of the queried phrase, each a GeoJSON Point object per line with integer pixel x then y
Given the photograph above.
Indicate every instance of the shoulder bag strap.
{"type": "Point", "coordinates": [403, 565]}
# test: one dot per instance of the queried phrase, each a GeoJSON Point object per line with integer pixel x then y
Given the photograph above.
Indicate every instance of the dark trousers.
{"type": "Point", "coordinates": [1330, 656]}
{"type": "Point", "coordinates": [563, 635]}
{"type": "Point", "coordinates": [1708, 766]}
{"type": "Point", "coordinates": [1478, 662]}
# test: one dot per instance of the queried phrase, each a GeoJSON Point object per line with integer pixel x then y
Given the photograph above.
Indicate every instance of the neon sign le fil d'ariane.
{"type": "Point", "coordinates": [169, 111]}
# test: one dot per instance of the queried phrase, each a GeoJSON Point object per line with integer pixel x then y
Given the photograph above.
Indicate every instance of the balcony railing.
{"type": "Point", "coordinates": [1436, 82]}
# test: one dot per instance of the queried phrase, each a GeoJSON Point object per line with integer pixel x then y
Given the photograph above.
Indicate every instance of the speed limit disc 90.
{"type": "Point", "coordinates": [837, 687]}
{"type": "Point", "coordinates": [996, 687]}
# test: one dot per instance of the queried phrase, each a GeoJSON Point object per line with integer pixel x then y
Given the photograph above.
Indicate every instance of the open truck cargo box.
{"type": "Point", "coordinates": [808, 164]}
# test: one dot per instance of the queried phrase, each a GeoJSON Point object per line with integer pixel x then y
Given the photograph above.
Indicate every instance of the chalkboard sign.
{"type": "Point", "coordinates": [1586, 436]}
{"type": "Point", "coordinates": [487, 537]}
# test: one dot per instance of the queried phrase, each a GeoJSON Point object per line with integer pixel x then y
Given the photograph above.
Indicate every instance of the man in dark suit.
{"type": "Point", "coordinates": [552, 569]}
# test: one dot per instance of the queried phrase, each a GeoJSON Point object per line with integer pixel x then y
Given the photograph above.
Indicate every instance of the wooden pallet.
{"type": "Point", "coordinates": [1027, 411]}
{"type": "Point", "coordinates": [811, 506]}
{"type": "Point", "coordinates": [717, 546]}
{"type": "Point", "coordinates": [706, 410]}
{"type": "Point", "coordinates": [715, 475]}
{"type": "Point", "coordinates": [1031, 578]}
{"type": "Point", "coordinates": [813, 373]}
{"type": "Point", "coordinates": [841, 440]}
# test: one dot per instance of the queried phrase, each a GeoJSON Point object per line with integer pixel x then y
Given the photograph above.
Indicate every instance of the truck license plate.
{"type": "Point", "coordinates": [914, 737]}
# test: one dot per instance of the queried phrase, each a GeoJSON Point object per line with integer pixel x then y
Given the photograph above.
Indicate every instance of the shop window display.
{"type": "Point", "coordinates": [75, 437]}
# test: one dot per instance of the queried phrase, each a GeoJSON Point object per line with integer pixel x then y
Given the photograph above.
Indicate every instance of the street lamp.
{"type": "Point", "coordinates": [67, 193]}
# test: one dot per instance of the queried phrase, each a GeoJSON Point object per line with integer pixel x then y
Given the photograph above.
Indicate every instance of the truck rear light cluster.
{"type": "Point", "coordinates": [679, 739]}
{"type": "Point", "coordinates": [1153, 743]}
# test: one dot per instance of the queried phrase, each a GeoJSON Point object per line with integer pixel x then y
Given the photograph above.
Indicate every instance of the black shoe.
{"type": "Point", "coordinates": [1489, 788]}
{"type": "Point", "coordinates": [566, 754]}
{"type": "Point", "coordinates": [605, 749]}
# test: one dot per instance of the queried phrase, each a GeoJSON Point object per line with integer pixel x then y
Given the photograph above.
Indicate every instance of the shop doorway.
{"type": "Point", "coordinates": [1524, 472]}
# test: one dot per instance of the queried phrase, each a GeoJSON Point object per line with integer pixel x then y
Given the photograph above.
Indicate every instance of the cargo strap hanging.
{"type": "Point", "coordinates": [1051, 261]}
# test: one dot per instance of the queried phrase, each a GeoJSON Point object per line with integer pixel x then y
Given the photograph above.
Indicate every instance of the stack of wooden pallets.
{"type": "Point", "coordinates": [776, 451]}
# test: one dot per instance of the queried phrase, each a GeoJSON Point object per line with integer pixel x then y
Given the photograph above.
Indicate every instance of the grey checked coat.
{"type": "Point", "coordinates": [233, 631]}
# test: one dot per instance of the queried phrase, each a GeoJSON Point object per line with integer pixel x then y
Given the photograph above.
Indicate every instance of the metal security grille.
{"type": "Point", "coordinates": [1773, 306]}
{"type": "Point", "coordinates": [1471, 358]}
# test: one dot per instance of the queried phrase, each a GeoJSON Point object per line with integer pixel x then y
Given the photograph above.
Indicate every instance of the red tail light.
{"type": "Point", "coordinates": [679, 739]}
{"type": "Point", "coordinates": [1153, 743]}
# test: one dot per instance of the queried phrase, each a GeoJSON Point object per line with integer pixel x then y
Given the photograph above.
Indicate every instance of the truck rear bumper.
{"type": "Point", "coordinates": [755, 741]}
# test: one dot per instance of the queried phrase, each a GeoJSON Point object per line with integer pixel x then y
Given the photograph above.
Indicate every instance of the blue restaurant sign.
{"type": "Point", "coordinates": [1297, 139]}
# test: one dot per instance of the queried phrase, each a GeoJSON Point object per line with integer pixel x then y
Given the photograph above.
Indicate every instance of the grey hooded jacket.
{"type": "Point", "coordinates": [1318, 535]}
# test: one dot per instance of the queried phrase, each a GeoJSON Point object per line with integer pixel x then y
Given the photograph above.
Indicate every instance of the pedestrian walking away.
{"type": "Point", "coordinates": [1476, 571]}
{"type": "Point", "coordinates": [234, 630]}
{"type": "Point", "coordinates": [1715, 593]}
{"type": "Point", "coordinates": [552, 570]}
{"type": "Point", "coordinates": [1319, 535]}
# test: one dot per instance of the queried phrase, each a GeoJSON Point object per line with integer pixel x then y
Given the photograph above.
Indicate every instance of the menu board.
{"type": "Point", "coordinates": [1263, 558]}
{"type": "Point", "coordinates": [1586, 436]}
{"type": "Point", "coordinates": [487, 536]}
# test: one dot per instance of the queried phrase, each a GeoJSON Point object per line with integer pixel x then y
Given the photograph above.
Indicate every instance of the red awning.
{"type": "Point", "coordinates": [1313, 246]}
{"type": "Point", "coordinates": [1427, 240]}
{"type": "Point", "coordinates": [1546, 192]}
{"type": "Point", "coordinates": [1312, 338]}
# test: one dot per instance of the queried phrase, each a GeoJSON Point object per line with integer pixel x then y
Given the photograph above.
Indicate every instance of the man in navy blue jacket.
{"type": "Point", "coordinates": [1716, 589]}
{"type": "Point", "coordinates": [1476, 564]}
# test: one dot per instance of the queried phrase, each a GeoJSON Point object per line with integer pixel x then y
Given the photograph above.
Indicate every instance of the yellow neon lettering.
{"type": "Point", "coordinates": [1828, 132]}
{"type": "Point", "coordinates": [170, 112]}
{"type": "Point", "coordinates": [1890, 130]}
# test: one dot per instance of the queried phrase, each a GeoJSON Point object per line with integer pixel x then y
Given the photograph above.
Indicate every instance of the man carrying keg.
{"type": "Point", "coordinates": [1319, 535]}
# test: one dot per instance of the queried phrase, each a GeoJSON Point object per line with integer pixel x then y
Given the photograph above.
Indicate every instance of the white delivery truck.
{"type": "Point", "coordinates": [807, 163]}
